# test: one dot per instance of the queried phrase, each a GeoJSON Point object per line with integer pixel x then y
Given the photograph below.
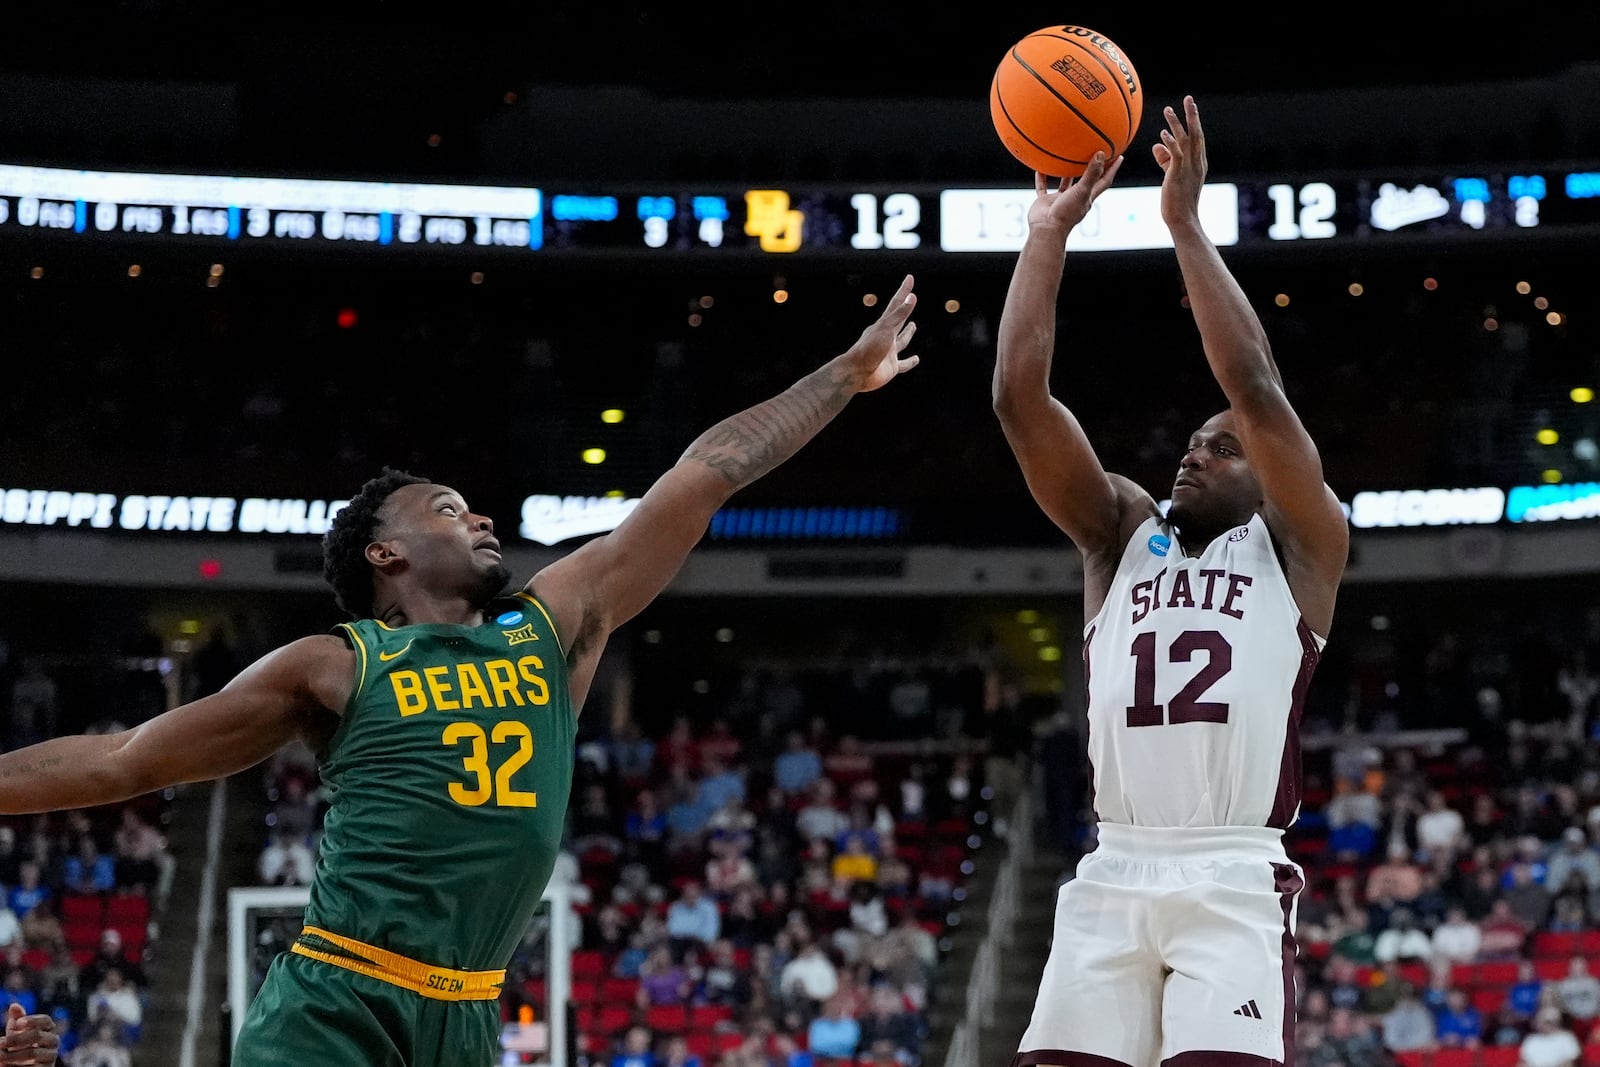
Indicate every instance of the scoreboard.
{"type": "Point", "coordinates": [1373, 210]}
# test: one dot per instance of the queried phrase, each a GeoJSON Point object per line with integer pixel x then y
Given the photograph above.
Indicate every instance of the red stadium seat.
{"type": "Point", "coordinates": [82, 907]}
{"type": "Point", "coordinates": [1589, 943]}
{"type": "Point", "coordinates": [1496, 973]}
{"type": "Point", "coordinates": [587, 963]}
{"type": "Point", "coordinates": [1591, 1054]}
{"type": "Point", "coordinates": [723, 1042]}
{"type": "Point", "coordinates": [612, 1017]}
{"type": "Point", "coordinates": [707, 1016]}
{"type": "Point", "coordinates": [1551, 943]}
{"type": "Point", "coordinates": [1551, 970]}
{"type": "Point", "coordinates": [1455, 1057]}
{"type": "Point", "coordinates": [128, 907]}
{"type": "Point", "coordinates": [80, 933]}
{"type": "Point", "coordinates": [1411, 1059]}
{"type": "Point", "coordinates": [700, 1044]}
{"type": "Point", "coordinates": [618, 990]}
{"type": "Point", "coordinates": [36, 959]}
{"type": "Point", "coordinates": [1501, 1056]}
{"type": "Point", "coordinates": [1488, 1000]}
{"type": "Point", "coordinates": [667, 1018]}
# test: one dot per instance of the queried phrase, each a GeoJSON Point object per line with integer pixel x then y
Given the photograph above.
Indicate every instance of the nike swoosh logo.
{"type": "Point", "coordinates": [387, 656]}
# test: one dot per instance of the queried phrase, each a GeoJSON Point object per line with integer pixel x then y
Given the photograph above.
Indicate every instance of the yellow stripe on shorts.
{"type": "Point", "coordinates": [435, 983]}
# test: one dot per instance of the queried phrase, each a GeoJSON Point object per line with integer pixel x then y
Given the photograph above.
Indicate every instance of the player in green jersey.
{"type": "Point", "coordinates": [444, 718]}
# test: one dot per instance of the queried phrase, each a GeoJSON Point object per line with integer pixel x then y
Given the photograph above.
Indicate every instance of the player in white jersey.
{"type": "Point", "coordinates": [1174, 940]}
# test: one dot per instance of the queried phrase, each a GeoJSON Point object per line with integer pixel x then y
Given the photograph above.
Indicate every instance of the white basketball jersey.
{"type": "Point", "coordinates": [1196, 671]}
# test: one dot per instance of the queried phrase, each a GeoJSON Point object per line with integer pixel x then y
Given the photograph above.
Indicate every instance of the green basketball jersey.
{"type": "Point", "coordinates": [449, 779]}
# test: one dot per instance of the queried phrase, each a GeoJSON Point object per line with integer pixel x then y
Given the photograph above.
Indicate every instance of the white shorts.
{"type": "Point", "coordinates": [1167, 942]}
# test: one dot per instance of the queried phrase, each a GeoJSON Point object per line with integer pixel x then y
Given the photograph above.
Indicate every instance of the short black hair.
{"type": "Point", "coordinates": [344, 546]}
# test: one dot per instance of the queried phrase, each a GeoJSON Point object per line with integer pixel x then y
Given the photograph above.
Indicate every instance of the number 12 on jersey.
{"type": "Point", "coordinates": [1185, 705]}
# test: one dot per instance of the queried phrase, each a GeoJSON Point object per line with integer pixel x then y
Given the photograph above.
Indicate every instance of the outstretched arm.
{"type": "Point", "coordinates": [273, 702]}
{"type": "Point", "coordinates": [1303, 513]}
{"type": "Point", "coordinates": [1059, 464]}
{"type": "Point", "coordinates": [612, 578]}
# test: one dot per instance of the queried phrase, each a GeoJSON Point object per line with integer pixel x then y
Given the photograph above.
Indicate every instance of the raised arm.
{"type": "Point", "coordinates": [610, 580]}
{"type": "Point", "coordinates": [287, 695]}
{"type": "Point", "coordinates": [1301, 510]}
{"type": "Point", "coordinates": [1060, 466]}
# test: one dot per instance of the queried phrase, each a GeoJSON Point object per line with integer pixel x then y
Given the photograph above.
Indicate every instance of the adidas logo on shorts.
{"type": "Point", "coordinates": [1248, 1010]}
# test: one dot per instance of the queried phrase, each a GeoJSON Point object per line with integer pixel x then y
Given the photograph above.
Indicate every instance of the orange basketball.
{"type": "Point", "coordinates": [1060, 95]}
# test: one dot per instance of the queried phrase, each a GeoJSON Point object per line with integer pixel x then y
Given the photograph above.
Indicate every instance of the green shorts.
{"type": "Point", "coordinates": [313, 1014]}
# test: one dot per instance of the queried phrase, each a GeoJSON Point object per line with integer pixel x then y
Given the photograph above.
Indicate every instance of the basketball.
{"type": "Point", "coordinates": [1060, 95]}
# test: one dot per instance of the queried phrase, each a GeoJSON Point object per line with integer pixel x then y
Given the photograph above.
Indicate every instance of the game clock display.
{"type": "Point", "coordinates": [1375, 209]}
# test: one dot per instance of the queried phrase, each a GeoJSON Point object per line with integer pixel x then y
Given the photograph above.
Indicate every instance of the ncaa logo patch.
{"type": "Point", "coordinates": [1240, 534]}
{"type": "Point", "coordinates": [509, 618]}
{"type": "Point", "coordinates": [1159, 544]}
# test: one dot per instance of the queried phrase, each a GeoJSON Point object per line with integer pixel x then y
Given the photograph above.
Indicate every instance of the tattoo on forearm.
{"type": "Point", "coordinates": [22, 770]}
{"type": "Point", "coordinates": [745, 446]}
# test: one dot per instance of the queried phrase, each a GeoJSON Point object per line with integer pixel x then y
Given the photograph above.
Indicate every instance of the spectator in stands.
{"type": "Point", "coordinates": [11, 932]}
{"type": "Point", "coordinates": [686, 817]}
{"type": "Point", "coordinates": [798, 766]}
{"type": "Point", "coordinates": [103, 1048]}
{"type": "Point", "coordinates": [1568, 915]}
{"type": "Point", "coordinates": [1457, 939]}
{"type": "Point", "coordinates": [1402, 940]}
{"type": "Point", "coordinates": [296, 811]}
{"type": "Point", "coordinates": [889, 1018]}
{"type": "Point", "coordinates": [1460, 1025]}
{"type": "Point", "coordinates": [645, 832]}
{"type": "Point", "coordinates": [854, 861]}
{"type": "Point", "coordinates": [59, 979]}
{"type": "Point", "coordinates": [680, 748]}
{"type": "Point", "coordinates": [110, 954]}
{"type": "Point", "coordinates": [733, 822]}
{"type": "Point", "coordinates": [832, 1033]}
{"type": "Point", "coordinates": [632, 755]}
{"type": "Point", "coordinates": [1349, 1041]}
{"type": "Point", "coordinates": [1484, 821]}
{"type": "Point", "coordinates": [1441, 829]}
{"type": "Point", "coordinates": [1527, 898]}
{"type": "Point", "coordinates": [1578, 994]}
{"type": "Point", "coordinates": [29, 890]}
{"type": "Point", "coordinates": [41, 928]}
{"type": "Point", "coordinates": [594, 825]}
{"type": "Point", "coordinates": [821, 818]}
{"type": "Point", "coordinates": [1574, 868]}
{"type": "Point", "coordinates": [663, 979]}
{"type": "Point", "coordinates": [635, 1050]}
{"type": "Point", "coordinates": [1527, 992]}
{"type": "Point", "coordinates": [675, 1053]}
{"type": "Point", "coordinates": [721, 743]}
{"type": "Point", "coordinates": [1409, 1025]}
{"type": "Point", "coordinates": [1356, 942]}
{"type": "Point", "coordinates": [1354, 816]}
{"type": "Point", "coordinates": [1550, 1044]}
{"type": "Point", "coordinates": [808, 980]}
{"type": "Point", "coordinates": [35, 704]}
{"type": "Point", "coordinates": [286, 860]}
{"type": "Point", "coordinates": [1397, 878]}
{"type": "Point", "coordinates": [720, 783]}
{"type": "Point", "coordinates": [744, 924]}
{"type": "Point", "coordinates": [18, 989]}
{"type": "Point", "coordinates": [113, 998]}
{"type": "Point", "coordinates": [724, 981]}
{"type": "Point", "coordinates": [693, 920]}
{"type": "Point", "coordinates": [89, 870]}
{"type": "Point", "coordinates": [143, 858]}
{"type": "Point", "coordinates": [729, 869]}
{"type": "Point", "coordinates": [1504, 933]}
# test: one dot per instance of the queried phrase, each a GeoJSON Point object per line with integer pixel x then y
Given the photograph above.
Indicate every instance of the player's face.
{"type": "Point", "coordinates": [443, 543]}
{"type": "Point", "coordinates": [1216, 487]}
